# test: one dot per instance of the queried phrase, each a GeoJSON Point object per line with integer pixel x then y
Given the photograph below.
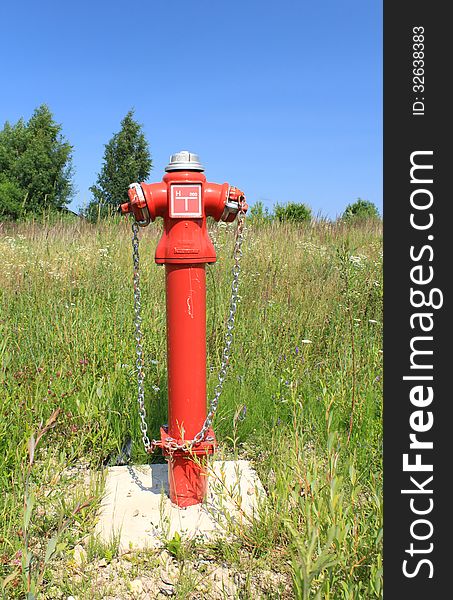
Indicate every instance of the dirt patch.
{"type": "Point", "coordinates": [158, 575]}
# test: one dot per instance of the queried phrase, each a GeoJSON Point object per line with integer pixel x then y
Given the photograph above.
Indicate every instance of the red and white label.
{"type": "Point", "coordinates": [185, 200]}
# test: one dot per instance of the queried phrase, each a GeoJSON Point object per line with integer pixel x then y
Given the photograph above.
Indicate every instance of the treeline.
{"type": "Point", "coordinates": [36, 173]}
{"type": "Point", "coordinates": [36, 169]}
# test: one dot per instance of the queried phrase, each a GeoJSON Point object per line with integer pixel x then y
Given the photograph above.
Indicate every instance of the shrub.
{"type": "Point", "coordinates": [361, 209]}
{"type": "Point", "coordinates": [294, 212]}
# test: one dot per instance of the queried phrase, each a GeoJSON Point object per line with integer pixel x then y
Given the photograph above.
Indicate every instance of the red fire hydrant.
{"type": "Point", "coordinates": [184, 199]}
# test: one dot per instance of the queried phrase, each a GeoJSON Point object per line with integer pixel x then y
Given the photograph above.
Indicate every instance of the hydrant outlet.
{"type": "Point", "coordinates": [136, 205]}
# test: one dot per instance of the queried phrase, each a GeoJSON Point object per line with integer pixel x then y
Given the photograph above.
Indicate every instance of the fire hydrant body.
{"type": "Point", "coordinates": [184, 199]}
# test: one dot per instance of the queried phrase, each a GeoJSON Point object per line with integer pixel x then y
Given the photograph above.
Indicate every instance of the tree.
{"type": "Point", "coordinates": [259, 214]}
{"type": "Point", "coordinates": [293, 211]}
{"type": "Point", "coordinates": [126, 160]}
{"type": "Point", "coordinates": [11, 200]}
{"type": "Point", "coordinates": [36, 164]}
{"type": "Point", "coordinates": [360, 210]}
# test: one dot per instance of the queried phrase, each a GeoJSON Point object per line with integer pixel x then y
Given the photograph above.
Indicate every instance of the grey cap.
{"type": "Point", "coordinates": [184, 161]}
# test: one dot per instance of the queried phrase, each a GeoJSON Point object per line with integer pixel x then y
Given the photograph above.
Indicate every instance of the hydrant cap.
{"type": "Point", "coordinates": [184, 161]}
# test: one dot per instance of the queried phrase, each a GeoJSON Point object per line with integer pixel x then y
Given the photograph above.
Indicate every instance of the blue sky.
{"type": "Point", "coordinates": [282, 99]}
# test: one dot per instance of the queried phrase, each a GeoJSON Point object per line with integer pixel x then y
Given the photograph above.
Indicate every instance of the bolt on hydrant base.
{"type": "Point", "coordinates": [137, 510]}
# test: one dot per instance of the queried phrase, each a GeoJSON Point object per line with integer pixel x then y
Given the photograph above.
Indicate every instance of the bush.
{"type": "Point", "coordinates": [361, 209]}
{"type": "Point", "coordinates": [294, 212]}
{"type": "Point", "coordinates": [259, 214]}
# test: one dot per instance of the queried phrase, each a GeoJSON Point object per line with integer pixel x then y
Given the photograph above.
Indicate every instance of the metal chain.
{"type": "Point", "coordinates": [139, 363]}
{"type": "Point", "coordinates": [171, 443]}
{"type": "Point", "coordinates": [237, 255]}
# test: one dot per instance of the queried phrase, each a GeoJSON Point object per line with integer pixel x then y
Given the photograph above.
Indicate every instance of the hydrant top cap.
{"type": "Point", "coordinates": [184, 161]}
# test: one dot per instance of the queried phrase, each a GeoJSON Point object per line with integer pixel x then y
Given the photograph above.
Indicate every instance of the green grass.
{"type": "Point", "coordinates": [302, 399]}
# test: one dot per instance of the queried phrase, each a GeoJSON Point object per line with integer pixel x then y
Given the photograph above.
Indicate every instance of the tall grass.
{"type": "Point", "coordinates": [302, 399]}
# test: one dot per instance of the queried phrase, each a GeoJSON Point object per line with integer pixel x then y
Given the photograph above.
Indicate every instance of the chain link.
{"type": "Point", "coordinates": [171, 444]}
{"type": "Point", "coordinates": [139, 363]}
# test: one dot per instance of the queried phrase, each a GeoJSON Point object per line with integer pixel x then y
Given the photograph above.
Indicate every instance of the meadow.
{"type": "Point", "coordinates": [302, 401]}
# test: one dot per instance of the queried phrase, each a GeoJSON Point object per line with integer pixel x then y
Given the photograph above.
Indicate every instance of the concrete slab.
{"type": "Point", "coordinates": [136, 508]}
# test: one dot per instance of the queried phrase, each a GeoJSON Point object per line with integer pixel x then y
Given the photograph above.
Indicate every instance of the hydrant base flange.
{"type": "Point", "coordinates": [187, 474]}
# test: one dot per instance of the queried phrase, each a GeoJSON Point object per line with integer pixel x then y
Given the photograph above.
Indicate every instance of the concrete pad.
{"type": "Point", "coordinates": [136, 508]}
